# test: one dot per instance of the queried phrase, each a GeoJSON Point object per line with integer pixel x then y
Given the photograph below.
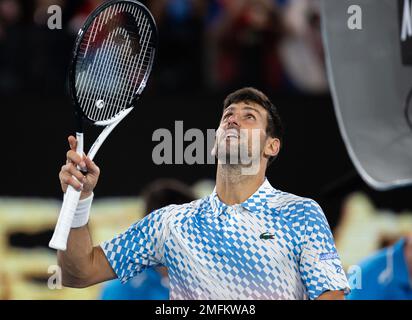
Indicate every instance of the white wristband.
{"type": "Point", "coordinates": [81, 216]}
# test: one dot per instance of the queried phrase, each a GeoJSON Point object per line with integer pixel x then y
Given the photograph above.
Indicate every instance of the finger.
{"type": "Point", "coordinates": [72, 170]}
{"type": "Point", "coordinates": [62, 181]}
{"type": "Point", "coordinates": [63, 186]}
{"type": "Point", "coordinates": [74, 157]}
{"type": "Point", "coordinates": [84, 168]}
{"type": "Point", "coordinates": [65, 169]}
{"type": "Point", "coordinates": [72, 142]}
{"type": "Point", "coordinates": [72, 181]}
{"type": "Point", "coordinates": [61, 175]}
{"type": "Point", "coordinates": [91, 166]}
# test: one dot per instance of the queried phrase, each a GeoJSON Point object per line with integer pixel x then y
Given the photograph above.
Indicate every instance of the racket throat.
{"type": "Point", "coordinates": [78, 122]}
{"type": "Point", "coordinates": [79, 135]}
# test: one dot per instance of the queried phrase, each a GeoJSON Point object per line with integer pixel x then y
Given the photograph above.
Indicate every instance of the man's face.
{"type": "Point", "coordinates": [241, 135]}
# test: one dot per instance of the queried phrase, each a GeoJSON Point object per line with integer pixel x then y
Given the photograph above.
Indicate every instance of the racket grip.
{"type": "Point", "coordinates": [64, 223]}
{"type": "Point", "coordinates": [68, 209]}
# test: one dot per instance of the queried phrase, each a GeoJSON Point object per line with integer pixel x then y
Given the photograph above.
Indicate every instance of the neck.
{"type": "Point", "coordinates": [232, 187]}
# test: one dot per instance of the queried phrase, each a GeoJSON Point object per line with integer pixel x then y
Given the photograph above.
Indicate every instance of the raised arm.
{"type": "Point", "coordinates": [82, 264]}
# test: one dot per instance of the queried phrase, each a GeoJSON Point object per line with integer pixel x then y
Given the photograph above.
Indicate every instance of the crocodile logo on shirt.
{"type": "Point", "coordinates": [267, 236]}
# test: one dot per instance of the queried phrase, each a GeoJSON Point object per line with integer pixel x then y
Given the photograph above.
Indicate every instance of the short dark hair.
{"type": "Point", "coordinates": [274, 127]}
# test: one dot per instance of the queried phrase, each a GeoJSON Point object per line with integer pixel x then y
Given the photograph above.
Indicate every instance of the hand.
{"type": "Point", "coordinates": [70, 175]}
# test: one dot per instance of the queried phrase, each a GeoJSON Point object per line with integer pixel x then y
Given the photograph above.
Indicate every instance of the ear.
{"type": "Point", "coordinates": [272, 147]}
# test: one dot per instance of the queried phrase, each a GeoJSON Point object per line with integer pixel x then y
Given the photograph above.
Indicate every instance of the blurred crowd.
{"type": "Point", "coordinates": [203, 45]}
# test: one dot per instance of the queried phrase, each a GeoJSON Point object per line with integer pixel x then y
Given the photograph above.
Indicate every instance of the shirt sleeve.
{"type": "Point", "coordinates": [139, 247]}
{"type": "Point", "coordinates": [320, 266]}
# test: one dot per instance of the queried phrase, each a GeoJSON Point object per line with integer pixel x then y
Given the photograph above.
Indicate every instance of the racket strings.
{"type": "Point", "coordinates": [110, 72]}
{"type": "Point", "coordinates": [103, 62]}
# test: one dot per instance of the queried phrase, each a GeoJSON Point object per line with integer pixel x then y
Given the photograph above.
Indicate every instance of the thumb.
{"type": "Point", "coordinates": [91, 166]}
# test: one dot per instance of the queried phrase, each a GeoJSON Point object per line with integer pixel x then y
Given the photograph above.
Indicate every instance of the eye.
{"type": "Point", "coordinates": [227, 115]}
{"type": "Point", "coordinates": [250, 116]}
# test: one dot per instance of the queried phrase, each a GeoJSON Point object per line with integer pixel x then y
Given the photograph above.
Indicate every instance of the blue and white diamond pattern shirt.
{"type": "Point", "coordinates": [275, 245]}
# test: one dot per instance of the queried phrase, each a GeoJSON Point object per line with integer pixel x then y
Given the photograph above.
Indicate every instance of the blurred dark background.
{"type": "Point", "coordinates": [207, 48]}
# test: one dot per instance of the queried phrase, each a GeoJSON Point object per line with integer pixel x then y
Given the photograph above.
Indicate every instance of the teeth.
{"type": "Point", "coordinates": [232, 133]}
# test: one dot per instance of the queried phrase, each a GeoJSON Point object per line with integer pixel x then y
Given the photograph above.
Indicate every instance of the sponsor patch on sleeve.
{"type": "Point", "coordinates": [328, 256]}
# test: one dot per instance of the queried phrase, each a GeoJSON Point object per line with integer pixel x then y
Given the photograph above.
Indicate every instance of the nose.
{"type": "Point", "coordinates": [232, 121]}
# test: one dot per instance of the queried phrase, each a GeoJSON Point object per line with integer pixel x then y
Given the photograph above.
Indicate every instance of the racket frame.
{"type": "Point", "coordinates": [72, 196]}
{"type": "Point", "coordinates": [80, 115]}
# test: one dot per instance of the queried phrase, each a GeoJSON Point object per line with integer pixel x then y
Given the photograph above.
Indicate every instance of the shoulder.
{"type": "Point", "coordinates": [302, 214]}
{"type": "Point", "coordinates": [289, 204]}
{"type": "Point", "coordinates": [176, 212]}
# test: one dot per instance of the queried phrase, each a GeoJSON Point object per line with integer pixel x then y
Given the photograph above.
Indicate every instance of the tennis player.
{"type": "Point", "coordinates": [247, 240]}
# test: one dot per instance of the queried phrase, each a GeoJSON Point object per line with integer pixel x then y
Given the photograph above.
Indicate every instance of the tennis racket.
{"type": "Point", "coordinates": [112, 61]}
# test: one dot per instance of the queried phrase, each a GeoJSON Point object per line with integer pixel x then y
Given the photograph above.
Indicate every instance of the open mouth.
{"type": "Point", "coordinates": [231, 133]}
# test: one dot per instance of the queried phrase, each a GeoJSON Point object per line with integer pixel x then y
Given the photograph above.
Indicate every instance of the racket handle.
{"type": "Point", "coordinates": [64, 223]}
{"type": "Point", "coordinates": [68, 209]}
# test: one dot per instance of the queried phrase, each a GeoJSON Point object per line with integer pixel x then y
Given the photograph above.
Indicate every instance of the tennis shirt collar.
{"type": "Point", "coordinates": [256, 203]}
